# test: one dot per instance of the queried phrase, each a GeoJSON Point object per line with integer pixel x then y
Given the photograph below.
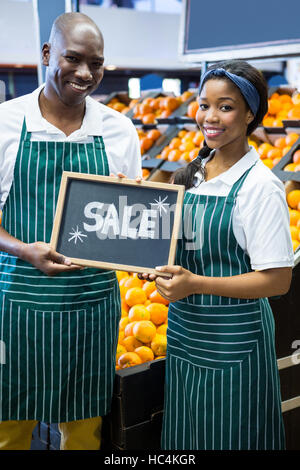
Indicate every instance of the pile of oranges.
{"type": "Point", "coordinates": [184, 147]}
{"type": "Point", "coordinates": [192, 109]}
{"type": "Point", "coordinates": [160, 107]}
{"type": "Point", "coordinates": [272, 154]}
{"type": "Point", "coordinates": [147, 138]}
{"type": "Point", "coordinates": [118, 105]}
{"type": "Point", "coordinates": [143, 324]}
{"type": "Point", "coordinates": [293, 200]}
{"type": "Point", "coordinates": [282, 107]}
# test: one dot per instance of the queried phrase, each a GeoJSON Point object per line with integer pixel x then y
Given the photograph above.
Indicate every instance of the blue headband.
{"type": "Point", "coordinates": [248, 90]}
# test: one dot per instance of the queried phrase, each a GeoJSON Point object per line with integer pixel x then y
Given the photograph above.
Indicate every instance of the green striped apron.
{"type": "Point", "coordinates": [222, 383]}
{"type": "Point", "coordinates": [60, 333]}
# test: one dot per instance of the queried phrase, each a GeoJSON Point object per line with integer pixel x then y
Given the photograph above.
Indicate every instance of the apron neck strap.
{"type": "Point", "coordinates": [238, 184]}
{"type": "Point", "coordinates": [25, 135]}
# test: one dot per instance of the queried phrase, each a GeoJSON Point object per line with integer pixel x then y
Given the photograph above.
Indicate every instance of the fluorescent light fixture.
{"type": "Point", "coordinates": [134, 88]}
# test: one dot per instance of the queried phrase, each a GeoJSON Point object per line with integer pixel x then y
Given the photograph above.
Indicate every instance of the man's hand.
{"type": "Point", "coordinates": [40, 255]}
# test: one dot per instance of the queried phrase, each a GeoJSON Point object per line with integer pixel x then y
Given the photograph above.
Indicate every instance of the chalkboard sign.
{"type": "Point", "coordinates": [213, 31]}
{"type": "Point", "coordinates": [117, 223]}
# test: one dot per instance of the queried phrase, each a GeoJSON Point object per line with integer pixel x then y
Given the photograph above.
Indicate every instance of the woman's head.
{"type": "Point", "coordinates": [247, 82]}
{"type": "Point", "coordinates": [233, 100]}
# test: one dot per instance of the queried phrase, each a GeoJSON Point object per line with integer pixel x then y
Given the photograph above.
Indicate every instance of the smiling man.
{"type": "Point", "coordinates": [59, 323]}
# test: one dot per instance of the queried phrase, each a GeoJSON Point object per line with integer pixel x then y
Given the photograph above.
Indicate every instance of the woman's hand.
{"type": "Point", "coordinates": [41, 255]}
{"type": "Point", "coordinates": [180, 285]}
{"type": "Point", "coordinates": [138, 179]}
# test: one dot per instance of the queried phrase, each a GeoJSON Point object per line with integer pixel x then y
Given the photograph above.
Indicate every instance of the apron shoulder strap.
{"type": "Point", "coordinates": [238, 184]}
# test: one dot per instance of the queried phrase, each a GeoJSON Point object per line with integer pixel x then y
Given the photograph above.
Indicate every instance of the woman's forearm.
{"type": "Point", "coordinates": [10, 244]}
{"type": "Point", "coordinates": [256, 284]}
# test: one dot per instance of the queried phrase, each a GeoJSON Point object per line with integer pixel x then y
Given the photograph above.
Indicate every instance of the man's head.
{"type": "Point", "coordinates": [74, 57]}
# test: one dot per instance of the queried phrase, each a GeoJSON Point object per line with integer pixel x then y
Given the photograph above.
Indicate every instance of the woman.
{"type": "Point", "coordinates": [222, 384]}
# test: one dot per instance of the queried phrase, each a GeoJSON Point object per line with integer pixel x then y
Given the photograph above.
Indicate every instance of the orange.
{"type": "Point", "coordinates": [199, 137]}
{"type": "Point", "coordinates": [138, 312]}
{"type": "Point", "coordinates": [124, 305]}
{"type": "Point", "coordinates": [175, 143]}
{"type": "Point", "coordinates": [268, 162]}
{"type": "Point", "coordinates": [192, 109]}
{"type": "Point", "coordinates": [294, 113]}
{"type": "Point", "coordinates": [296, 157]}
{"type": "Point", "coordinates": [129, 329]}
{"type": "Point", "coordinates": [148, 302]}
{"type": "Point", "coordinates": [162, 329]}
{"type": "Point", "coordinates": [263, 149]}
{"type": "Point", "coordinates": [121, 337]}
{"type": "Point", "coordinates": [124, 279]}
{"type": "Point", "coordinates": [274, 106]}
{"type": "Point", "coordinates": [275, 161]}
{"type": "Point", "coordinates": [274, 153]}
{"type": "Point", "coordinates": [145, 173]}
{"type": "Point", "coordinates": [182, 133]}
{"type": "Point", "coordinates": [131, 343]}
{"type": "Point", "coordinates": [158, 313]}
{"type": "Point", "coordinates": [149, 287]}
{"type": "Point", "coordinates": [285, 150]}
{"type": "Point", "coordinates": [186, 95]}
{"type": "Point", "coordinates": [296, 98]}
{"type": "Point", "coordinates": [284, 98]}
{"type": "Point", "coordinates": [294, 232]}
{"type": "Point", "coordinates": [290, 167]}
{"type": "Point", "coordinates": [120, 350]}
{"type": "Point", "coordinates": [297, 168]}
{"type": "Point", "coordinates": [165, 113]}
{"type": "Point", "coordinates": [159, 345]}
{"type": "Point", "coordinates": [144, 331]}
{"type": "Point", "coordinates": [148, 118]}
{"type": "Point", "coordinates": [174, 155]}
{"type": "Point", "coordinates": [187, 146]}
{"type": "Point", "coordinates": [186, 156]}
{"type": "Point", "coordinates": [144, 108]}
{"type": "Point", "coordinates": [121, 274]}
{"type": "Point", "coordinates": [135, 295]}
{"type": "Point", "coordinates": [291, 138]}
{"type": "Point", "coordinates": [154, 134]}
{"type": "Point", "coordinates": [146, 143]}
{"type": "Point", "coordinates": [293, 198]}
{"type": "Point", "coordinates": [123, 290]}
{"type": "Point", "coordinates": [124, 313]}
{"type": "Point", "coordinates": [268, 121]}
{"type": "Point", "coordinates": [123, 323]}
{"type": "Point", "coordinates": [294, 217]}
{"type": "Point", "coordinates": [171, 103]}
{"type": "Point", "coordinates": [156, 297]}
{"type": "Point", "coordinates": [146, 354]}
{"type": "Point", "coordinates": [129, 359]}
{"type": "Point", "coordinates": [165, 152]}
{"type": "Point", "coordinates": [296, 243]}
{"type": "Point", "coordinates": [194, 153]}
{"type": "Point", "coordinates": [280, 143]}
{"type": "Point", "coordinates": [133, 281]}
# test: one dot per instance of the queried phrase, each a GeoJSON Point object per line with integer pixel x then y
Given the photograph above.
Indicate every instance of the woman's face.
{"type": "Point", "coordinates": [223, 116]}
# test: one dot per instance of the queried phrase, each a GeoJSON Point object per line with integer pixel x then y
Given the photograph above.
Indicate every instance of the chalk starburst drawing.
{"type": "Point", "coordinates": [76, 235]}
{"type": "Point", "coordinates": [160, 205]}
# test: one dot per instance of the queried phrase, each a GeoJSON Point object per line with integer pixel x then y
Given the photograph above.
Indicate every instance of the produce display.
{"type": "Point", "coordinates": [292, 189]}
{"type": "Point", "coordinates": [272, 154]}
{"type": "Point", "coordinates": [282, 107]}
{"type": "Point", "coordinates": [143, 324]}
{"type": "Point", "coordinates": [184, 147]}
{"type": "Point", "coordinates": [149, 109]}
{"type": "Point", "coordinates": [118, 105]}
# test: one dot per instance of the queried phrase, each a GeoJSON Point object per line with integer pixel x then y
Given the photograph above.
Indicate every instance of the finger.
{"type": "Point", "coordinates": [121, 175]}
{"type": "Point", "coordinates": [59, 258]}
{"type": "Point", "coordinates": [139, 179]}
{"type": "Point", "coordinates": [112, 174]}
{"type": "Point", "coordinates": [168, 269]}
{"type": "Point", "coordinates": [162, 282]}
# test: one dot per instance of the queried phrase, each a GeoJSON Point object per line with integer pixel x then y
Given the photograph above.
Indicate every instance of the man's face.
{"type": "Point", "coordinates": [75, 64]}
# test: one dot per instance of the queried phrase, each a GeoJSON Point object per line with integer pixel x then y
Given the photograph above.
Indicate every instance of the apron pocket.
{"type": "Point", "coordinates": [214, 336]}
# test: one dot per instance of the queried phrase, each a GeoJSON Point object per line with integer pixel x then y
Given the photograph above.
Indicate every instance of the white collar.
{"type": "Point", "coordinates": [91, 124]}
{"type": "Point", "coordinates": [230, 176]}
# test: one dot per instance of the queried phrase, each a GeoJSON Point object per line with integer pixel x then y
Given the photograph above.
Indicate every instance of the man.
{"type": "Point", "coordinates": [58, 322]}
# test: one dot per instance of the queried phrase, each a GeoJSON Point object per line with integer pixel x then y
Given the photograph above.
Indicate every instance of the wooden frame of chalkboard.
{"type": "Point", "coordinates": [110, 242]}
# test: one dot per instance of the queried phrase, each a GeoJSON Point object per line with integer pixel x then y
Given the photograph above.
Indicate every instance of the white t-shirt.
{"type": "Point", "coordinates": [260, 218]}
{"type": "Point", "coordinates": [119, 134]}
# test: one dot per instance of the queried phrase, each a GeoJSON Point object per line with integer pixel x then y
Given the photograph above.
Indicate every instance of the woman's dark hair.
{"type": "Point", "coordinates": [241, 68]}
